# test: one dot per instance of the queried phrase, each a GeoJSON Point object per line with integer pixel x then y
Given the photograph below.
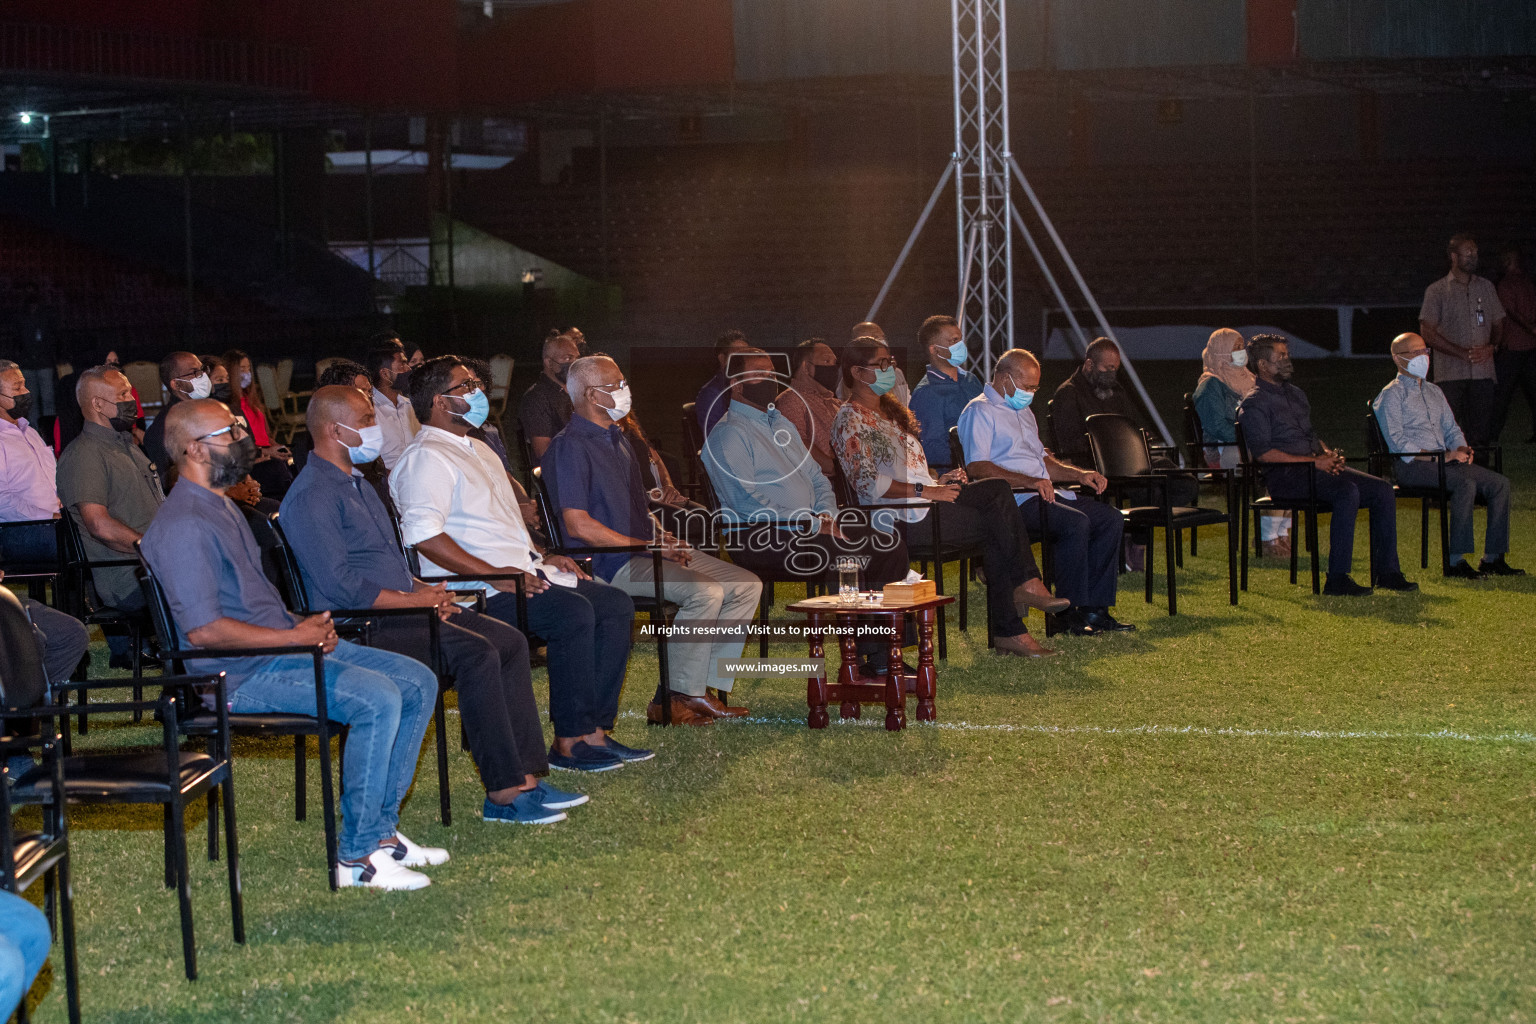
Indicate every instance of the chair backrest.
{"type": "Point", "coordinates": [693, 436]}
{"type": "Point", "coordinates": [1050, 440]}
{"type": "Point", "coordinates": [707, 494]}
{"type": "Point", "coordinates": [554, 529]}
{"type": "Point", "coordinates": [501, 374]}
{"type": "Point", "coordinates": [321, 365]}
{"type": "Point", "coordinates": [159, 608]}
{"type": "Point", "coordinates": [1118, 445]}
{"type": "Point", "coordinates": [145, 378]}
{"type": "Point", "coordinates": [1375, 444]}
{"type": "Point", "coordinates": [956, 449]}
{"type": "Point", "coordinates": [1194, 432]}
{"type": "Point", "coordinates": [271, 394]}
{"type": "Point", "coordinates": [290, 580]}
{"type": "Point", "coordinates": [1244, 458]}
{"type": "Point", "coordinates": [76, 575]}
{"type": "Point", "coordinates": [284, 376]}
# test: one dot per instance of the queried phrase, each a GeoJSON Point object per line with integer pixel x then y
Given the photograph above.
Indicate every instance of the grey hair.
{"type": "Point", "coordinates": [582, 375]}
{"type": "Point", "coordinates": [6, 365]}
{"type": "Point", "coordinates": [94, 374]}
{"type": "Point", "coordinates": [1014, 357]}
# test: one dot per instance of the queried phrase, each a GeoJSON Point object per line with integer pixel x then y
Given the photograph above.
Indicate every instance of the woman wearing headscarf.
{"type": "Point", "coordinates": [1223, 384]}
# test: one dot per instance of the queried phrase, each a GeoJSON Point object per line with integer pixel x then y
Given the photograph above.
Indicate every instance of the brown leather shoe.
{"type": "Point", "coordinates": [1032, 594]}
{"type": "Point", "coordinates": [720, 709]}
{"type": "Point", "coordinates": [1022, 646]}
{"type": "Point", "coordinates": [685, 711]}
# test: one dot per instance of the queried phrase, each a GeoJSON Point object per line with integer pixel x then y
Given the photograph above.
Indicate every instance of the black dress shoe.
{"type": "Point", "coordinates": [1344, 586]}
{"type": "Point", "coordinates": [1462, 571]}
{"type": "Point", "coordinates": [1073, 622]}
{"type": "Point", "coordinates": [1499, 567]}
{"type": "Point", "coordinates": [1396, 581]}
{"type": "Point", "coordinates": [1103, 622]}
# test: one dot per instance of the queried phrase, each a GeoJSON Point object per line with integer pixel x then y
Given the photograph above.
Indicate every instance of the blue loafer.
{"type": "Point", "coordinates": [585, 758]}
{"type": "Point", "coordinates": [560, 799]}
{"type": "Point", "coordinates": [526, 808]}
{"type": "Point", "coordinates": [627, 754]}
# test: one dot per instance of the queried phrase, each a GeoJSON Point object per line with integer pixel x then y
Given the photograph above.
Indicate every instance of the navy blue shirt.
{"type": "Point", "coordinates": [937, 403]}
{"type": "Point", "coordinates": [592, 468]}
{"type": "Point", "coordinates": [341, 536]}
{"type": "Point", "coordinates": [711, 402]}
{"type": "Point", "coordinates": [204, 556]}
{"type": "Point", "coordinates": [1277, 417]}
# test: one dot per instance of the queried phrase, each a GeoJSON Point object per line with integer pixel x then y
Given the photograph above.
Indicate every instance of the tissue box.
{"type": "Point", "coordinates": [910, 593]}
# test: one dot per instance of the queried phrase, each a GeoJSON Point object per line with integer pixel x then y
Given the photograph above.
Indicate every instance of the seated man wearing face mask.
{"type": "Point", "coordinates": [342, 539]}
{"type": "Point", "coordinates": [1277, 425]}
{"type": "Point", "coordinates": [545, 408]}
{"type": "Point", "coordinates": [595, 483]}
{"type": "Point", "coordinates": [1415, 417]}
{"type": "Point", "coordinates": [385, 363]}
{"type": "Point", "coordinates": [183, 378]}
{"type": "Point", "coordinates": [945, 389]}
{"type": "Point", "coordinates": [111, 489]}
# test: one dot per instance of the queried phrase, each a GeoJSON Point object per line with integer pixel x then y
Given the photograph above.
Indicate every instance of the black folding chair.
{"type": "Point", "coordinates": [277, 723]}
{"type": "Point", "coordinates": [36, 574]}
{"type": "Point", "coordinates": [76, 594]}
{"type": "Point", "coordinates": [1124, 458]}
{"type": "Point", "coordinates": [1383, 463]}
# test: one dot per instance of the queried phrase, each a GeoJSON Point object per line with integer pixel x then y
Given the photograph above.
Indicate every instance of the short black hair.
{"type": "Point", "coordinates": [1262, 346]}
{"type": "Point", "coordinates": [931, 327]}
{"type": "Point", "coordinates": [378, 356]}
{"type": "Point", "coordinates": [1457, 241]}
{"type": "Point", "coordinates": [725, 341]}
{"type": "Point", "coordinates": [386, 338]}
{"type": "Point", "coordinates": [342, 371]}
{"type": "Point", "coordinates": [1100, 345]}
{"type": "Point", "coordinates": [168, 366]}
{"type": "Point", "coordinates": [802, 353]}
{"type": "Point", "coordinates": [429, 380]}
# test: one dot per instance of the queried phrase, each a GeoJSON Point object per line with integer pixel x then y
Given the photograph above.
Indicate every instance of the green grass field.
{"type": "Point", "coordinates": [1298, 809]}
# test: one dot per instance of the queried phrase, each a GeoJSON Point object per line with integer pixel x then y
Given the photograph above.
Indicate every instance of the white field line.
{"type": "Point", "coordinates": [875, 719]}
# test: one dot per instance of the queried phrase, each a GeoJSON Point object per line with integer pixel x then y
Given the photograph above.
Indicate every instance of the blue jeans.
{"type": "Point", "coordinates": [24, 942]}
{"type": "Point", "coordinates": [386, 698]}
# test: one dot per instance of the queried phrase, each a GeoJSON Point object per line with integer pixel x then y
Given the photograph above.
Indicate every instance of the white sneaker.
{"type": "Point", "coordinates": [411, 855]}
{"type": "Point", "coordinates": [379, 871]}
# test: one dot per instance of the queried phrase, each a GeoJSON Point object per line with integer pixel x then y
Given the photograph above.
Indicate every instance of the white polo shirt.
{"type": "Point", "coordinates": [398, 422]}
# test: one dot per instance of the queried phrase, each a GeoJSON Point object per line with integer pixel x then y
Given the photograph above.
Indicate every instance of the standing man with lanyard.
{"type": "Point", "coordinates": [1462, 321]}
{"type": "Point", "coordinates": [945, 389]}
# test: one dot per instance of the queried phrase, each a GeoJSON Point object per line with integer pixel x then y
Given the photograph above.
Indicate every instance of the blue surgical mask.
{"type": "Point", "coordinates": [370, 443]}
{"type": "Point", "coordinates": [1020, 399]}
{"type": "Point", "coordinates": [884, 380]}
{"type": "Point", "coordinates": [958, 353]}
{"type": "Point", "coordinates": [479, 408]}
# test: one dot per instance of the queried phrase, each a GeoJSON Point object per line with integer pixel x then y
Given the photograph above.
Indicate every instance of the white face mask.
{"type": "Point", "coordinates": [1419, 365]}
{"type": "Point", "coordinates": [201, 387]}
{"type": "Point", "coordinates": [371, 443]}
{"type": "Point", "coordinates": [622, 400]}
{"type": "Point", "coordinates": [1240, 358]}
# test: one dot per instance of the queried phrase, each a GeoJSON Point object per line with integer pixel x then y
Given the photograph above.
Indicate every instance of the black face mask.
{"type": "Point", "coordinates": [20, 406]}
{"type": "Point", "coordinates": [402, 381]}
{"type": "Point", "coordinates": [562, 371]}
{"type": "Point", "coordinates": [233, 463]}
{"type": "Point", "coordinates": [1283, 369]}
{"type": "Point", "coordinates": [760, 393]}
{"type": "Point", "coordinates": [223, 392]}
{"type": "Point", "coordinates": [826, 376]}
{"type": "Point", "coordinates": [1100, 380]}
{"type": "Point", "coordinates": [127, 414]}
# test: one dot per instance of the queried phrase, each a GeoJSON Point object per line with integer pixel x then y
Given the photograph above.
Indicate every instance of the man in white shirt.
{"type": "Point", "coordinates": [28, 474]}
{"type": "Point", "coordinates": [458, 509]}
{"type": "Point", "coordinates": [386, 364]}
{"type": "Point", "coordinates": [1001, 439]}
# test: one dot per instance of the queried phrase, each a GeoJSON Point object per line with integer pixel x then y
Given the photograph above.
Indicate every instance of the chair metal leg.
{"type": "Point", "coordinates": [1445, 536]}
{"type": "Point", "coordinates": [170, 859]}
{"type": "Point", "coordinates": [938, 582]}
{"type": "Point", "coordinates": [1295, 530]}
{"type": "Point", "coordinates": [328, 805]}
{"type": "Point", "coordinates": [1171, 546]}
{"type": "Point", "coordinates": [441, 728]}
{"type": "Point", "coordinates": [67, 931]}
{"type": "Point", "coordinates": [213, 820]}
{"type": "Point", "coordinates": [1423, 533]}
{"type": "Point", "coordinates": [300, 784]}
{"type": "Point", "coordinates": [1231, 563]}
{"type": "Point", "coordinates": [764, 609]}
{"type": "Point", "coordinates": [1194, 543]}
{"type": "Point", "coordinates": [1312, 548]}
{"type": "Point", "coordinates": [183, 885]}
{"type": "Point", "coordinates": [1147, 562]}
{"type": "Point", "coordinates": [965, 588]}
{"type": "Point", "coordinates": [231, 844]}
{"type": "Point", "coordinates": [1178, 547]}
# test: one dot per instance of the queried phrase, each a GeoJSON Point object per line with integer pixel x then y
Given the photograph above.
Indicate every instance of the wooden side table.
{"type": "Point", "coordinates": [850, 690]}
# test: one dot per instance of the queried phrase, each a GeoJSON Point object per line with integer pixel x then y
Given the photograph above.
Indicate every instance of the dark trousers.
{"type": "Point", "coordinates": [985, 513]}
{"type": "Point", "coordinates": [61, 641]}
{"type": "Point", "coordinates": [770, 549]}
{"type": "Point", "coordinates": [1472, 403]}
{"type": "Point", "coordinates": [1464, 484]}
{"type": "Point", "coordinates": [489, 663]}
{"type": "Point", "coordinates": [1517, 373]}
{"type": "Point", "coordinates": [1346, 494]}
{"type": "Point", "coordinates": [1085, 537]}
{"type": "Point", "coordinates": [587, 629]}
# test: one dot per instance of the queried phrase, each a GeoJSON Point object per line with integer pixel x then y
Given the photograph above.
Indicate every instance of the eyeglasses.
{"type": "Point", "coordinates": [882, 364]}
{"type": "Point", "coordinates": [609, 389]}
{"type": "Point", "coordinates": [1020, 387]}
{"type": "Point", "coordinates": [234, 430]}
{"type": "Point", "coordinates": [472, 385]}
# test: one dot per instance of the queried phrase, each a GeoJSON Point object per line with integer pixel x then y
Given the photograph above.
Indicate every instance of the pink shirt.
{"type": "Point", "coordinates": [27, 474]}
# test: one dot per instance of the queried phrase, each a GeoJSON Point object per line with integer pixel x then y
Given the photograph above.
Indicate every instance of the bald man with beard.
{"type": "Point", "coordinates": [344, 543]}
{"type": "Point", "coordinates": [205, 558]}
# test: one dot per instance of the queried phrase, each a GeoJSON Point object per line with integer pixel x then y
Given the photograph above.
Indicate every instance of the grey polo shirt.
{"type": "Point", "coordinates": [104, 467]}
{"type": "Point", "coordinates": [206, 559]}
{"type": "Point", "coordinates": [1453, 308]}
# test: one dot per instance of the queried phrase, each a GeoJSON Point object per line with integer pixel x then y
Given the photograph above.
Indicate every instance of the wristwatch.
{"type": "Point", "coordinates": [917, 489]}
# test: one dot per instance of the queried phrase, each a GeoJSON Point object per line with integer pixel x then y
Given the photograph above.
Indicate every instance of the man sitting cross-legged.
{"type": "Point", "coordinates": [457, 506]}
{"type": "Point", "coordinates": [594, 481]}
{"type": "Point", "coordinates": [341, 535]}
{"type": "Point", "coordinates": [206, 559]}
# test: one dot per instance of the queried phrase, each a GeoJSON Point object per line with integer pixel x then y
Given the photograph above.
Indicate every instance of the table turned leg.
{"type": "Point", "coordinates": [816, 686]}
{"type": "Point", "coordinates": [927, 675]}
{"type": "Point", "coordinates": [848, 673]}
{"type": "Point", "coordinates": [895, 692]}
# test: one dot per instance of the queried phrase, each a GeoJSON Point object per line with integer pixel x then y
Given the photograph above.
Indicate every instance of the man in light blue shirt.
{"type": "Point", "coordinates": [1002, 439]}
{"type": "Point", "coordinates": [1415, 417]}
{"type": "Point", "coordinates": [944, 390]}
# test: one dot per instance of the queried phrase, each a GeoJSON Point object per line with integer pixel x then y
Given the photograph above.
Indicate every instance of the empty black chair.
{"type": "Point", "coordinates": [1383, 463]}
{"type": "Point", "coordinates": [693, 441]}
{"type": "Point", "coordinates": [37, 574]}
{"type": "Point", "coordinates": [1123, 456]}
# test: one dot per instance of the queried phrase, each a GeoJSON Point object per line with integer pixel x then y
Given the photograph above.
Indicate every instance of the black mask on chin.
{"type": "Point", "coordinates": [127, 414]}
{"type": "Point", "coordinates": [20, 406]}
{"type": "Point", "coordinates": [402, 382]}
{"type": "Point", "coordinates": [826, 376]}
{"type": "Point", "coordinates": [760, 393]}
{"type": "Point", "coordinates": [231, 463]}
